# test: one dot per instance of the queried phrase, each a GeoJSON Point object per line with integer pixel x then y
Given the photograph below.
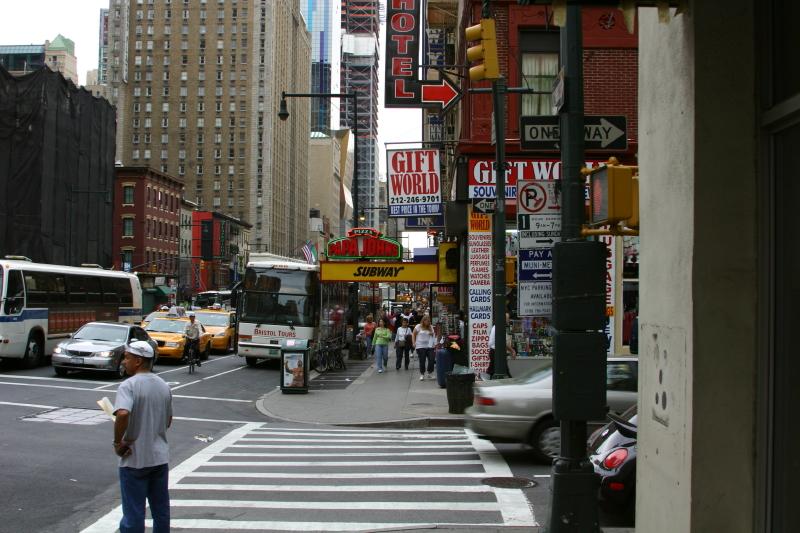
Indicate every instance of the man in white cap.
{"type": "Point", "coordinates": [143, 412]}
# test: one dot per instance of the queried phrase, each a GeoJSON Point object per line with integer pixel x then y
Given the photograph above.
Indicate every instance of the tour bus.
{"type": "Point", "coordinates": [40, 304]}
{"type": "Point", "coordinates": [282, 298]}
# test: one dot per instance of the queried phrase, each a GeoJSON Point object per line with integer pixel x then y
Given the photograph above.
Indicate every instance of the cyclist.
{"type": "Point", "coordinates": [192, 334]}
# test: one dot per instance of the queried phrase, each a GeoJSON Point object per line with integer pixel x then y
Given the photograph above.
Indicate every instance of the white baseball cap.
{"type": "Point", "coordinates": [140, 348]}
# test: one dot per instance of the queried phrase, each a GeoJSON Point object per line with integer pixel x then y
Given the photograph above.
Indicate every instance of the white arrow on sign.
{"type": "Point", "coordinates": [605, 132]}
{"type": "Point", "coordinates": [485, 205]}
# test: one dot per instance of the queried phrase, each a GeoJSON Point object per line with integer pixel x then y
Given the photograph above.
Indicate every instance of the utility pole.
{"type": "Point", "coordinates": [499, 89]}
{"type": "Point", "coordinates": [579, 350]}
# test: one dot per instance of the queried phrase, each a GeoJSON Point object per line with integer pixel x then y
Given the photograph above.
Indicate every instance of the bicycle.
{"type": "Point", "coordinates": [191, 355]}
{"type": "Point", "coordinates": [321, 358]}
{"type": "Point", "coordinates": [338, 358]}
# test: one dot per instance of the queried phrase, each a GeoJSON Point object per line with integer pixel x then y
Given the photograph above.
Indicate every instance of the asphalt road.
{"type": "Point", "coordinates": [59, 472]}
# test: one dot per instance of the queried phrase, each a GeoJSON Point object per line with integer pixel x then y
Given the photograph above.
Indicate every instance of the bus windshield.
{"type": "Point", "coordinates": [280, 297]}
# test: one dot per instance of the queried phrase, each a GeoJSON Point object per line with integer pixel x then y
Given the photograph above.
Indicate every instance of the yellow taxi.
{"type": "Point", "coordinates": [221, 324]}
{"type": "Point", "coordinates": [173, 312]}
{"type": "Point", "coordinates": [168, 333]}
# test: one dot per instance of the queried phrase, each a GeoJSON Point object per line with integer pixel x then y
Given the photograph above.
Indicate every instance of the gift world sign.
{"type": "Point", "coordinates": [413, 183]}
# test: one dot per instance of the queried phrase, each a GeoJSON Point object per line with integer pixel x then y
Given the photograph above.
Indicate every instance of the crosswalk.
{"type": "Point", "coordinates": [262, 477]}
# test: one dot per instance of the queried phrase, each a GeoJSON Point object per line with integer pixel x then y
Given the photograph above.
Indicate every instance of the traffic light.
{"type": "Point", "coordinates": [486, 50]}
{"type": "Point", "coordinates": [611, 195]}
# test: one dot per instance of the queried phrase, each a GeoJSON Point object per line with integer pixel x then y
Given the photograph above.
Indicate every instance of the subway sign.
{"type": "Point", "coordinates": [364, 243]}
{"type": "Point", "coordinates": [379, 272]}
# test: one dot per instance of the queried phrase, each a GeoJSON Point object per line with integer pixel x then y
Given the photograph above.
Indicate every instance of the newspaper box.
{"type": "Point", "coordinates": [294, 366]}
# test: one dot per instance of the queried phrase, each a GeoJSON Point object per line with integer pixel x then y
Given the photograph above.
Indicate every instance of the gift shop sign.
{"type": "Point", "coordinates": [413, 183]}
{"type": "Point", "coordinates": [479, 289]}
{"type": "Point", "coordinates": [482, 182]}
{"type": "Point", "coordinates": [364, 243]}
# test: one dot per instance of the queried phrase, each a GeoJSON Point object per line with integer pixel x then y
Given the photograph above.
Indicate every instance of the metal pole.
{"type": "Point", "coordinates": [353, 287]}
{"type": "Point", "coordinates": [499, 87]}
{"type": "Point", "coordinates": [574, 500]}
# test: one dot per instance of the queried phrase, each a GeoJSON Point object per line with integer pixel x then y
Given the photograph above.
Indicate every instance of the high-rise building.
{"type": "Point", "coordinates": [198, 84]}
{"type": "Point", "coordinates": [102, 49]}
{"type": "Point", "coordinates": [323, 20]}
{"type": "Point", "coordinates": [58, 54]}
{"type": "Point", "coordinates": [360, 25]}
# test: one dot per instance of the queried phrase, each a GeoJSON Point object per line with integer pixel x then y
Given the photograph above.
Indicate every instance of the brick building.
{"type": "Point", "coordinates": [146, 228]}
{"type": "Point", "coordinates": [220, 248]}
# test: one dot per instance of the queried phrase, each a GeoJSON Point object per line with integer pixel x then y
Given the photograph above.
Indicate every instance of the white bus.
{"type": "Point", "coordinates": [42, 304]}
{"type": "Point", "coordinates": [282, 298]}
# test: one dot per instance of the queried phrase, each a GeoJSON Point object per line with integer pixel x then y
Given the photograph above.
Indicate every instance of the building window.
{"type": "Point", "coordinates": [539, 69]}
{"type": "Point", "coordinates": [127, 227]}
{"type": "Point", "coordinates": [127, 195]}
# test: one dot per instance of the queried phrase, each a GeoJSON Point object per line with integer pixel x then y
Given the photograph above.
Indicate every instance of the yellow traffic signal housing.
{"type": "Point", "coordinates": [633, 221]}
{"type": "Point", "coordinates": [611, 195]}
{"type": "Point", "coordinates": [486, 50]}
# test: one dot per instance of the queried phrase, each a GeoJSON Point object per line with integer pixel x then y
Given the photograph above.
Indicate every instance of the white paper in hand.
{"type": "Point", "coordinates": [105, 405]}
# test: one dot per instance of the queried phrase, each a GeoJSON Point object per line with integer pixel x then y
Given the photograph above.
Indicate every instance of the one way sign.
{"type": "Point", "coordinates": [599, 132]}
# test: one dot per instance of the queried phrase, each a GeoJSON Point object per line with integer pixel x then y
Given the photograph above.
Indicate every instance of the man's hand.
{"type": "Point", "coordinates": [123, 449]}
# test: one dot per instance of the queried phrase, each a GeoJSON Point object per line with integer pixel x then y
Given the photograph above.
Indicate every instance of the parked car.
{"type": "Point", "coordinates": [520, 409]}
{"type": "Point", "coordinates": [98, 346]}
{"type": "Point", "coordinates": [168, 333]}
{"type": "Point", "coordinates": [612, 452]}
{"type": "Point", "coordinates": [222, 325]}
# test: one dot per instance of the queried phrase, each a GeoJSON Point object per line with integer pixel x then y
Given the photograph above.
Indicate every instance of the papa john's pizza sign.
{"type": "Point", "coordinates": [364, 243]}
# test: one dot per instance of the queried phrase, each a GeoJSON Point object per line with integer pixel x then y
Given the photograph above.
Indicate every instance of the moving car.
{"type": "Point", "coordinates": [221, 324]}
{"type": "Point", "coordinates": [98, 346]}
{"type": "Point", "coordinates": [612, 452]}
{"type": "Point", "coordinates": [168, 333]}
{"type": "Point", "coordinates": [520, 409]}
{"type": "Point", "coordinates": [171, 312]}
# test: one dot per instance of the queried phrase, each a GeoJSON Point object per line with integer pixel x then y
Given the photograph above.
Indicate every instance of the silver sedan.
{"type": "Point", "coordinates": [520, 409]}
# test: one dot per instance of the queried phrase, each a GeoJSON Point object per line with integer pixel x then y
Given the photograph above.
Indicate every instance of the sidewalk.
{"type": "Point", "coordinates": [394, 398]}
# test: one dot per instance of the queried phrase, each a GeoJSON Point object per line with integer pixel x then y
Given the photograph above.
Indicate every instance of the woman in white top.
{"type": "Point", "coordinates": [402, 343]}
{"type": "Point", "coordinates": [424, 340]}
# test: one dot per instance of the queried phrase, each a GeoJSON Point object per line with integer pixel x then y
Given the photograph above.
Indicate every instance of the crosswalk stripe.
{"type": "Point", "coordinates": [353, 454]}
{"type": "Point", "coordinates": [340, 475]}
{"type": "Point", "coordinates": [252, 525]}
{"type": "Point", "coordinates": [369, 432]}
{"type": "Point", "coordinates": [268, 427]}
{"type": "Point", "coordinates": [360, 505]}
{"type": "Point", "coordinates": [332, 488]}
{"type": "Point", "coordinates": [337, 447]}
{"type": "Point", "coordinates": [349, 441]}
{"type": "Point", "coordinates": [341, 463]}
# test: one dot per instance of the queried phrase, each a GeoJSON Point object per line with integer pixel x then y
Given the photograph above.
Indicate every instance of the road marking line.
{"type": "Point", "coordinates": [104, 386]}
{"type": "Point", "coordinates": [211, 398]}
{"type": "Point", "coordinates": [385, 434]}
{"type": "Point", "coordinates": [337, 447]}
{"type": "Point", "coordinates": [110, 522]}
{"type": "Point", "coordinates": [347, 441]}
{"type": "Point", "coordinates": [192, 419]}
{"type": "Point", "coordinates": [186, 366]}
{"type": "Point", "coordinates": [341, 463]}
{"type": "Point", "coordinates": [265, 525]}
{"type": "Point", "coordinates": [341, 475]}
{"type": "Point", "coordinates": [349, 506]}
{"type": "Point", "coordinates": [334, 488]}
{"type": "Point", "coordinates": [114, 392]}
{"type": "Point", "coordinates": [29, 405]}
{"type": "Point", "coordinates": [268, 428]}
{"type": "Point", "coordinates": [226, 372]}
{"type": "Point", "coordinates": [47, 386]}
{"type": "Point", "coordinates": [43, 378]}
{"type": "Point", "coordinates": [186, 384]}
{"type": "Point", "coordinates": [516, 509]}
{"type": "Point", "coordinates": [350, 454]}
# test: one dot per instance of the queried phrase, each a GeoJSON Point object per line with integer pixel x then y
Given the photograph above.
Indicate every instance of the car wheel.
{"type": "Point", "coordinates": [230, 345]}
{"type": "Point", "coordinates": [34, 352]}
{"type": "Point", "coordinates": [251, 361]}
{"type": "Point", "coordinates": [545, 439]}
{"type": "Point", "coordinates": [60, 371]}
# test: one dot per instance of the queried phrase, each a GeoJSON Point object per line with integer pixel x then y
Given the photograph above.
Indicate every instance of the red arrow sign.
{"type": "Point", "coordinates": [442, 93]}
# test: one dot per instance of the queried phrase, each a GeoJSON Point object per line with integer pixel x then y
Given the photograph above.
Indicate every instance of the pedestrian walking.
{"type": "Point", "coordinates": [402, 343]}
{"type": "Point", "coordinates": [509, 347]}
{"type": "Point", "coordinates": [143, 410]}
{"type": "Point", "coordinates": [381, 338]}
{"type": "Point", "coordinates": [369, 329]}
{"type": "Point", "coordinates": [424, 339]}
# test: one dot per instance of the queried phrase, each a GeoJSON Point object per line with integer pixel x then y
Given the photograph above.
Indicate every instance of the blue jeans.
{"type": "Point", "coordinates": [381, 355]}
{"type": "Point", "coordinates": [425, 353]}
{"type": "Point", "coordinates": [140, 484]}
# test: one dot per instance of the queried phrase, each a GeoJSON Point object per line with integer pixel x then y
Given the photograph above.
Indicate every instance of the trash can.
{"type": "Point", "coordinates": [444, 364]}
{"type": "Point", "coordinates": [459, 391]}
{"type": "Point", "coordinates": [294, 366]}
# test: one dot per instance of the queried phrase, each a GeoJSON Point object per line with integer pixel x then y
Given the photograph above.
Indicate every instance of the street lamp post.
{"type": "Point", "coordinates": [283, 114]}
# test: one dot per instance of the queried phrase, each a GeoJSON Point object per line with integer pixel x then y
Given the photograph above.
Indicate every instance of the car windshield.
{"type": "Point", "coordinates": [536, 375]}
{"type": "Point", "coordinates": [213, 319]}
{"type": "Point", "coordinates": [165, 325]}
{"type": "Point", "coordinates": [153, 315]}
{"type": "Point", "coordinates": [98, 332]}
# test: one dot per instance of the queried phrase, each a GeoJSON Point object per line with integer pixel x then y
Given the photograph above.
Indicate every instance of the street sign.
{"type": "Point", "coordinates": [535, 298]}
{"type": "Point", "coordinates": [599, 132]}
{"type": "Point", "coordinates": [537, 239]}
{"type": "Point", "coordinates": [538, 197]}
{"type": "Point", "coordinates": [535, 265]}
{"type": "Point", "coordinates": [485, 205]}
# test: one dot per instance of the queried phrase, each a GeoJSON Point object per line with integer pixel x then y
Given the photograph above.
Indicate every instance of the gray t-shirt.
{"type": "Point", "coordinates": [149, 400]}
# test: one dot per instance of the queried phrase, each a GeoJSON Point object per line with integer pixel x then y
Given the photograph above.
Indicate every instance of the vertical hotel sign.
{"type": "Point", "coordinates": [402, 53]}
{"type": "Point", "coordinates": [479, 292]}
{"type": "Point", "coordinates": [413, 183]}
